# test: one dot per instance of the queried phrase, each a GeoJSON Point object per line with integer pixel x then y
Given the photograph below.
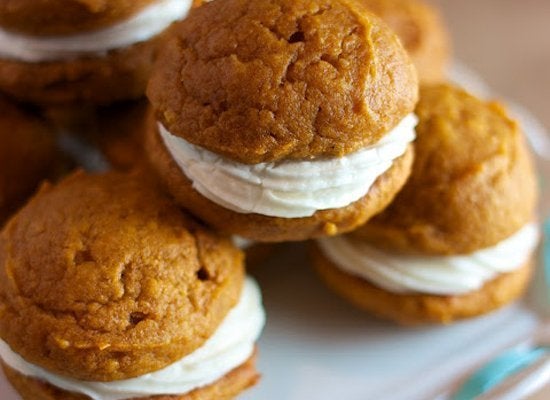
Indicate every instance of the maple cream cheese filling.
{"type": "Point", "coordinates": [288, 189]}
{"type": "Point", "coordinates": [439, 275]}
{"type": "Point", "coordinates": [229, 347]}
{"type": "Point", "coordinates": [141, 27]}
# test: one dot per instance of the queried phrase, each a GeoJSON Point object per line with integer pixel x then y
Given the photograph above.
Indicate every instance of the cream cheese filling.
{"type": "Point", "coordinates": [143, 26]}
{"type": "Point", "coordinates": [439, 275]}
{"type": "Point", "coordinates": [288, 189]}
{"type": "Point", "coordinates": [229, 347]}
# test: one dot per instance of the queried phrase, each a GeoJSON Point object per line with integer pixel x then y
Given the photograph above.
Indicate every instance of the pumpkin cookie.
{"type": "Point", "coordinates": [282, 120]}
{"type": "Point", "coordinates": [95, 52]}
{"type": "Point", "coordinates": [458, 240]}
{"type": "Point", "coordinates": [112, 282]}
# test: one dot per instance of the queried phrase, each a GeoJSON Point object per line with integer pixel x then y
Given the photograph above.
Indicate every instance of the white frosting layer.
{"type": "Point", "coordinates": [440, 275]}
{"type": "Point", "coordinates": [141, 27]}
{"type": "Point", "coordinates": [230, 346]}
{"type": "Point", "coordinates": [289, 189]}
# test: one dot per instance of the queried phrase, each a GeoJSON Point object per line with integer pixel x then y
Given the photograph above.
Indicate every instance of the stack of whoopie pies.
{"type": "Point", "coordinates": [267, 121]}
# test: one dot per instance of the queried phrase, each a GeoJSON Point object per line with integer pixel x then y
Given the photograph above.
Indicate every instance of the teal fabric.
{"type": "Point", "coordinates": [497, 371]}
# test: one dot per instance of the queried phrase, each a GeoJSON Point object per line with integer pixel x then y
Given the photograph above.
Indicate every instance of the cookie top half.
{"type": "Point", "coordinates": [472, 185]}
{"type": "Point", "coordinates": [265, 80]}
{"type": "Point", "coordinates": [102, 278]}
{"type": "Point", "coordinates": [61, 17]}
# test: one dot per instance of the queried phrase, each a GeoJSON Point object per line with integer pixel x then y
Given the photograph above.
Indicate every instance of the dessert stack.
{"type": "Point", "coordinates": [81, 52]}
{"type": "Point", "coordinates": [267, 121]}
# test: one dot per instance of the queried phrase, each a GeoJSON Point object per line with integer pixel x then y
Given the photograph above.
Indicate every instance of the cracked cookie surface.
{"type": "Point", "coordinates": [266, 80]}
{"type": "Point", "coordinates": [472, 183]}
{"type": "Point", "coordinates": [108, 279]}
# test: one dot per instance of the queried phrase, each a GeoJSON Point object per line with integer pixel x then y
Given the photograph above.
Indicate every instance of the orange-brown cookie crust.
{"type": "Point", "coordinates": [108, 279]}
{"type": "Point", "coordinates": [472, 184]}
{"type": "Point", "coordinates": [120, 75]}
{"type": "Point", "coordinates": [62, 17]}
{"type": "Point", "coordinates": [27, 155]}
{"type": "Point", "coordinates": [263, 228]}
{"type": "Point", "coordinates": [410, 309]}
{"type": "Point", "coordinates": [226, 388]}
{"type": "Point", "coordinates": [422, 32]}
{"type": "Point", "coordinates": [264, 80]}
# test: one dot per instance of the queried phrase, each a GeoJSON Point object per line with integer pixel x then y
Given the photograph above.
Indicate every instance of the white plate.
{"type": "Point", "coordinates": [316, 346]}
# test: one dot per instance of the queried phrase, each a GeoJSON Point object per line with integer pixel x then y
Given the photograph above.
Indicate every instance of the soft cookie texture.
{"type": "Point", "coordinates": [225, 388]}
{"type": "Point", "coordinates": [472, 187]}
{"type": "Point", "coordinates": [27, 155]}
{"type": "Point", "coordinates": [97, 79]}
{"type": "Point", "coordinates": [472, 184]}
{"type": "Point", "coordinates": [266, 80]}
{"type": "Point", "coordinates": [263, 228]}
{"type": "Point", "coordinates": [62, 17]}
{"type": "Point", "coordinates": [422, 32]}
{"type": "Point", "coordinates": [276, 81]}
{"type": "Point", "coordinates": [417, 308]}
{"type": "Point", "coordinates": [108, 279]}
{"type": "Point", "coordinates": [120, 75]}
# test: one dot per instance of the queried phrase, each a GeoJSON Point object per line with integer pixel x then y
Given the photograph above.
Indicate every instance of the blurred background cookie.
{"type": "Point", "coordinates": [96, 52]}
{"type": "Point", "coordinates": [422, 31]}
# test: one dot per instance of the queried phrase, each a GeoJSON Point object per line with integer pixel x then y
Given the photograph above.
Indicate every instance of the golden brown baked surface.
{"type": "Point", "coordinates": [472, 184]}
{"type": "Point", "coordinates": [27, 154]}
{"type": "Point", "coordinates": [120, 75]}
{"type": "Point", "coordinates": [225, 388]}
{"type": "Point", "coordinates": [263, 80]}
{"type": "Point", "coordinates": [422, 32]}
{"type": "Point", "coordinates": [272, 229]}
{"type": "Point", "coordinates": [108, 279]}
{"type": "Point", "coordinates": [59, 17]}
{"type": "Point", "coordinates": [422, 308]}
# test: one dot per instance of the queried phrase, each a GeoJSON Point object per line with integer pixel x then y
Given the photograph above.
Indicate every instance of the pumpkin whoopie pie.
{"type": "Point", "coordinates": [27, 155]}
{"type": "Point", "coordinates": [281, 120]}
{"type": "Point", "coordinates": [74, 51]}
{"type": "Point", "coordinates": [458, 240]}
{"type": "Point", "coordinates": [109, 291]}
{"type": "Point", "coordinates": [422, 32]}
